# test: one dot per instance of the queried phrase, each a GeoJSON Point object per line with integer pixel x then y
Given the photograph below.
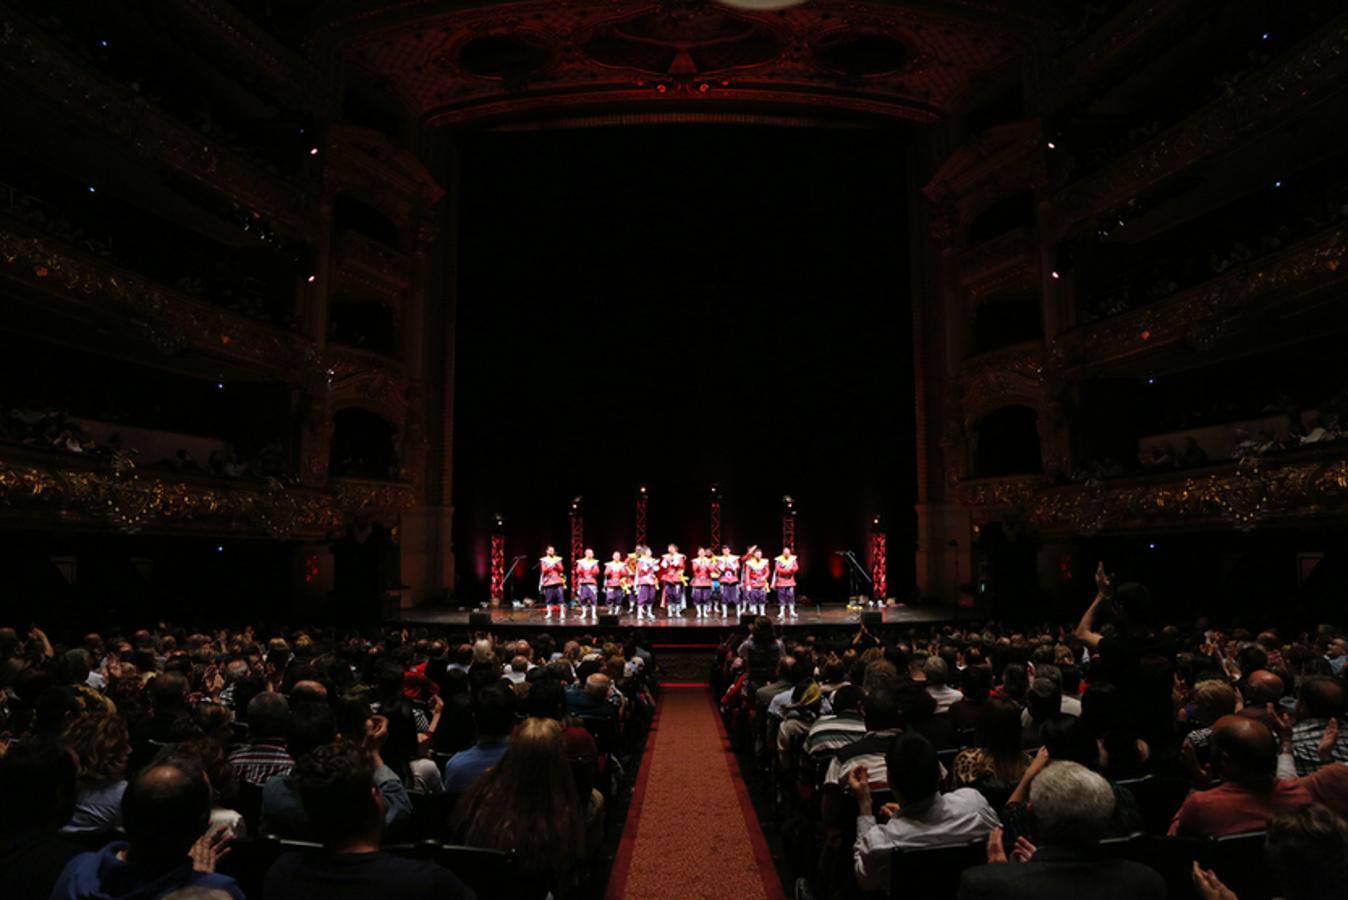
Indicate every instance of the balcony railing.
{"type": "Point", "coordinates": [365, 264]}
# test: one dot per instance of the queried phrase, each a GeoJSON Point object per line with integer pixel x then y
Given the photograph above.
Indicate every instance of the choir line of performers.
{"type": "Point", "coordinates": [632, 583]}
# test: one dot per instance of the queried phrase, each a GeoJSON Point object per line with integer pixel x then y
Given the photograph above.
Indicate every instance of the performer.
{"type": "Point", "coordinates": [703, 567]}
{"type": "Point", "coordinates": [552, 582]}
{"type": "Point", "coordinates": [784, 572]}
{"type": "Point", "coordinates": [728, 574]}
{"type": "Point", "coordinates": [646, 579]}
{"type": "Point", "coordinates": [587, 585]}
{"type": "Point", "coordinates": [756, 573]}
{"type": "Point", "coordinates": [616, 582]}
{"type": "Point", "coordinates": [672, 577]}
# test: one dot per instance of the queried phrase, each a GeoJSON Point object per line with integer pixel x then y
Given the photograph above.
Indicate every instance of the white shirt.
{"type": "Point", "coordinates": [954, 818]}
{"type": "Point", "coordinates": [1070, 706]}
{"type": "Point", "coordinates": [944, 696]}
{"type": "Point", "coordinates": [782, 699]}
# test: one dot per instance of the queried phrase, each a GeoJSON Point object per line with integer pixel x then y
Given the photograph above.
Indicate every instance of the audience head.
{"type": "Point", "coordinates": [37, 782]}
{"type": "Point", "coordinates": [976, 683]}
{"type": "Point", "coordinates": [1307, 852]}
{"type": "Point", "coordinates": [1320, 698]}
{"type": "Point", "coordinates": [546, 700]}
{"type": "Point", "coordinates": [311, 726]}
{"type": "Point", "coordinates": [1212, 700]}
{"type": "Point", "coordinates": [494, 711]}
{"type": "Point", "coordinates": [1044, 700]}
{"type": "Point", "coordinates": [336, 786]}
{"type": "Point", "coordinates": [1072, 806]}
{"type": "Point", "coordinates": [100, 742]}
{"type": "Point", "coordinates": [849, 698]}
{"type": "Point", "coordinates": [882, 709]}
{"type": "Point", "coordinates": [936, 671]}
{"type": "Point", "coordinates": [165, 809]}
{"type": "Point", "coordinates": [1263, 687]}
{"type": "Point", "coordinates": [913, 769]}
{"type": "Point", "coordinates": [268, 717]}
{"type": "Point", "coordinates": [1244, 750]}
{"type": "Point", "coordinates": [998, 730]}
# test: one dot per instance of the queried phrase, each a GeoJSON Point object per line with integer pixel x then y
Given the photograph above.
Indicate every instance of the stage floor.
{"type": "Point", "coordinates": [809, 617]}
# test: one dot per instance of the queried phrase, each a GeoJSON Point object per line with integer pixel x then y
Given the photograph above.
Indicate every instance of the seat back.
{"type": "Point", "coordinates": [1158, 799]}
{"type": "Point", "coordinates": [933, 872]}
{"type": "Point", "coordinates": [249, 860]}
{"type": "Point", "coordinates": [1238, 860]}
{"type": "Point", "coordinates": [490, 873]}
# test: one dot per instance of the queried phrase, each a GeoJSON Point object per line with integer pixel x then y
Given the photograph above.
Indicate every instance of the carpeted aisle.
{"type": "Point", "coordinates": [691, 828]}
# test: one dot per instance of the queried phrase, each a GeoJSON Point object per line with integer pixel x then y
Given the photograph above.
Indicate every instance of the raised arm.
{"type": "Point", "coordinates": [1104, 590]}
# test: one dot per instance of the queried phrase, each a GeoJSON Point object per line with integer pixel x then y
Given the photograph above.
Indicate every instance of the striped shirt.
{"type": "Point", "coordinates": [868, 751]}
{"type": "Point", "coordinates": [1306, 745]}
{"type": "Point", "coordinates": [257, 763]}
{"type": "Point", "coordinates": [831, 733]}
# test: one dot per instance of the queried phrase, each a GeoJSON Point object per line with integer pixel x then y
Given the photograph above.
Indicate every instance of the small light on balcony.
{"type": "Point", "coordinates": [311, 279]}
{"type": "Point", "coordinates": [219, 549]}
{"type": "Point", "coordinates": [104, 43]}
{"type": "Point", "coordinates": [1145, 335]}
{"type": "Point", "coordinates": [219, 385]}
{"type": "Point", "coordinates": [1052, 146]}
{"type": "Point", "coordinates": [1054, 275]}
{"type": "Point", "coordinates": [1264, 36]}
{"type": "Point", "coordinates": [1151, 546]}
{"type": "Point", "coordinates": [1151, 379]}
{"type": "Point", "coordinates": [1278, 183]}
{"type": "Point", "coordinates": [92, 189]}
{"type": "Point", "coordinates": [313, 151]}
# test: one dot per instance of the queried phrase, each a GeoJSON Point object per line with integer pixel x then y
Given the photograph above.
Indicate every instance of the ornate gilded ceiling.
{"type": "Point", "coordinates": [456, 62]}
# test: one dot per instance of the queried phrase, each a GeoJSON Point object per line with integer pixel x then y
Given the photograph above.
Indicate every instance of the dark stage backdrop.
{"type": "Point", "coordinates": [681, 306]}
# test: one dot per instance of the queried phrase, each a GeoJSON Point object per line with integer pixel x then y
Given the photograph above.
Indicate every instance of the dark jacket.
{"type": "Point", "coordinates": [1060, 874]}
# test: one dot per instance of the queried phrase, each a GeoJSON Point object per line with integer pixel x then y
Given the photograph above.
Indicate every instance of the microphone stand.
{"type": "Point", "coordinates": [853, 571]}
{"type": "Point", "coordinates": [508, 585]}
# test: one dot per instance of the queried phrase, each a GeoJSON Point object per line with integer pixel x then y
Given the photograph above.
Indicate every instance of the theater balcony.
{"type": "Point", "coordinates": [1250, 105]}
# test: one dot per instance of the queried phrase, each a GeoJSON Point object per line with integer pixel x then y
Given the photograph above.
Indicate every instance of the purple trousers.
{"type": "Point", "coordinates": [614, 596]}
{"type": "Point", "coordinates": [757, 596]}
{"type": "Point", "coordinates": [701, 596]}
{"type": "Point", "coordinates": [586, 595]}
{"type": "Point", "coordinates": [786, 596]}
{"type": "Point", "coordinates": [645, 594]}
{"type": "Point", "coordinates": [553, 595]}
{"type": "Point", "coordinates": [730, 593]}
{"type": "Point", "coordinates": [673, 596]}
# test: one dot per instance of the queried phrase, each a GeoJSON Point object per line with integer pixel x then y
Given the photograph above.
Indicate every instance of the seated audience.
{"type": "Point", "coordinates": [1245, 755]}
{"type": "Point", "coordinates": [997, 762]}
{"type": "Point", "coordinates": [527, 804]}
{"type": "Point", "coordinates": [1319, 701]}
{"type": "Point", "coordinates": [937, 674]}
{"type": "Point", "coordinates": [100, 743]}
{"type": "Point", "coordinates": [494, 716]}
{"type": "Point", "coordinates": [266, 755]}
{"type": "Point", "coordinates": [829, 734]}
{"type": "Point", "coordinates": [166, 812]}
{"type": "Point", "coordinates": [1072, 809]}
{"type": "Point", "coordinates": [920, 816]}
{"type": "Point", "coordinates": [338, 787]}
{"type": "Point", "coordinates": [37, 789]}
{"type": "Point", "coordinates": [593, 701]}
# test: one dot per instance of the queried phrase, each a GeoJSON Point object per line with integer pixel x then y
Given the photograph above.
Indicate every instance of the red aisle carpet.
{"type": "Point", "coordinates": [691, 828]}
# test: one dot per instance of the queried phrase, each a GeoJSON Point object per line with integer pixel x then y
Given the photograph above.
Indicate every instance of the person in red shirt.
{"type": "Point", "coordinates": [784, 572]}
{"type": "Point", "coordinates": [703, 567]}
{"type": "Point", "coordinates": [552, 582]}
{"type": "Point", "coordinates": [646, 577]}
{"type": "Point", "coordinates": [615, 582]}
{"type": "Point", "coordinates": [587, 585]}
{"type": "Point", "coordinates": [1245, 754]}
{"type": "Point", "coordinates": [671, 576]}
{"type": "Point", "coordinates": [728, 574]}
{"type": "Point", "coordinates": [756, 574]}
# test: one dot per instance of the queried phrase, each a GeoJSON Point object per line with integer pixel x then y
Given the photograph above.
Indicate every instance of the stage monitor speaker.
{"type": "Point", "coordinates": [479, 620]}
{"type": "Point", "coordinates": [872, 619]}
{"type": "Point", "coordinates": [608, 620]}
{"type": "Point", "coordinates": [747, 619]}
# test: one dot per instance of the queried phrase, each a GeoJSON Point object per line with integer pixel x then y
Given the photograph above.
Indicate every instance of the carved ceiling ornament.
{"type": "Point", "coordinates": [481, 60]}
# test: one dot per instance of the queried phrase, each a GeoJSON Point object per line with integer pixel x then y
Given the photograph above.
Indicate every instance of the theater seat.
{"type": "Point", "coordinates": [1238, 860]}
{"type": "Point", "coordinates": [933, 872]}
{"type": "Point", "coordinates": [1158, 799]}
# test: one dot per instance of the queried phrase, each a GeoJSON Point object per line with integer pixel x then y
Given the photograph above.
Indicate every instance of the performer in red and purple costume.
{"type": "Point", "coordinates": [615, 582]}
{"type": "Point", "coordinates": [552, 582]}
{"type": "Point", "coordinates": [756, 575]}
{"type": "Point", "coordinates": [646, 578]}
{"type": "Point", "coordinates": [784, 572]}
{"type": "Point", "coordinates": [671, 576]}
{"type": "Point", "coordinates": [704, 566]}
{"type": "Point", "coordinates": [587, 585]}
{"type": "Point", "coordinates": [727, 567]}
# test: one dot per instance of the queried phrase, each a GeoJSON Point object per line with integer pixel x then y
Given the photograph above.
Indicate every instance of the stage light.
{"type": "Point", "coordinates": [1151, 546]}
{"type": "Point", "coordinates": [660, 88]}
{"type": "Point", "coordinates": [104, 44]}
{"type": "Point", "coordinates": [1151, 380]}
{"type": "Point", "coordinates": [219, 549]}
{"type": "Point", "coordinates": [1054, 275]}
{"type": "Point", "coordinates": [312, 278]}
{"type": "Point", "coordinates": [313, 151]}
{"type": "Point", "coordinates": [92, 189]}
{"type": "Point", "coordinates": [219, 385]}
{"type": "Point", "coordinates": [1276, 184]}
{"type": "Point", "coordinates": [1052, 146]}
{"type": "Point", "coordinates": [703, 87]}
{"type": "Point", "coordinates": [1264, 36]}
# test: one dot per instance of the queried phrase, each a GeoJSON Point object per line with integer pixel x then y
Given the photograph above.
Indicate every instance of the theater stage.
{"type": "Point", "coordinates": [809, 618]}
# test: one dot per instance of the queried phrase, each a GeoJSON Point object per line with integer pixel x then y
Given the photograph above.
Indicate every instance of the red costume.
{"type": "Point", "coordinates": [587, 571]}
{"type": "Point", "coordinates": [671, 568]}
{"type": "Point", "coordinates": [702, 571]}
{"type": "Point", "coordinates": [728, 569]}
{"type": "Point", "coordinates": [756, 574]}
{"type": "Point", "coordinates": [552, 570]}
{"type": "Point", "coordinates": [786, 569]}
{"type": "Point", "coordinates": [647, 567]}
{"type": "Point", "coordinates": [615, 574]}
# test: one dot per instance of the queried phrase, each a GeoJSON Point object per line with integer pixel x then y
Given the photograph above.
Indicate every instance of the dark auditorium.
{"type": "Point", "coordinates": [673, 450]}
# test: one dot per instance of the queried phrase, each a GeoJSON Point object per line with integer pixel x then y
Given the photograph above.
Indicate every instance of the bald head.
{"type": "Point", "coordinates": [165, 809]}
{"type": "Point", "coordinates": [1247, 749]}
{"type": "Point", "coordinates": [308, 691]}
{"type": "Point", "coordinates": [598, 685]}
{"type": "Point", "coordinates": [1263, 687]}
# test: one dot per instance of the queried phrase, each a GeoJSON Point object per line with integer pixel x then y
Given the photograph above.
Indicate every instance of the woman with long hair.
{"type": "Point", "coordinates": [527, 803]}
{"type": "Point", "coordinates": [996, 765]}
{"type": "Point", "coordinates": [103, 748]}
